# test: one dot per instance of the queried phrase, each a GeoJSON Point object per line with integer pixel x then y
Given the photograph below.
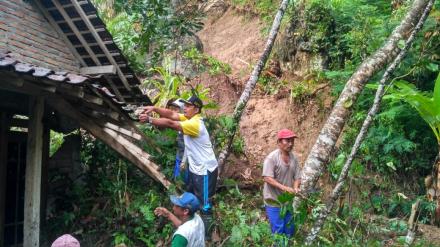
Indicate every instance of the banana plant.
{"type": "Point", "coordinates": [427, 105]}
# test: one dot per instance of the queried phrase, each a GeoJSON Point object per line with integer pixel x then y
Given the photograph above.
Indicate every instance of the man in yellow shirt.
{"type": "Point", "coordinates": [199, 151]}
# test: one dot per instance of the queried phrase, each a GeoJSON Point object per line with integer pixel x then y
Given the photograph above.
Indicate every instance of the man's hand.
{"type": "Point", "coordinates": [289, 190]}
{"type": "Point", "coordinates": [296, 190]}
{"type": "Point", "coordinates": [160, 211]}
{"type": "Point", "coordinates": [143, 118]}
{"type": "Point", "coordinates": [144, 110]}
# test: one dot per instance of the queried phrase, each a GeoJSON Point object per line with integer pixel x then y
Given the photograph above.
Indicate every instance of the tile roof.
{"type": "Point", "coordinates": [59, 78]}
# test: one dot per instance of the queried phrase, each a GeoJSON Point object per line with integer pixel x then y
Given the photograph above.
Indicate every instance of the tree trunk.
{"type": "Point", "coordinates": [326, 141]}
{"type": "Point", "coordinates": [364, 130]}
{"type": "Point", "coordinates": [250, 84]}
{"type": "Point", "coordinates": [412, 223]}
{"type": "Point", "coordinates": [436, 185]}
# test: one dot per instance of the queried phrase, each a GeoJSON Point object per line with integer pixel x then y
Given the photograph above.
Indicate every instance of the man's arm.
{"type": "Point", "coordinates": [160, 211]}
{"type": "Point", "coordinates": [168, 123]}
{"type": "Point", "coordinates": [296, 185]}
{"type": "Point", "coordinates": [163, 112]}
{"type": "Point", "coordinates": [271, 181]}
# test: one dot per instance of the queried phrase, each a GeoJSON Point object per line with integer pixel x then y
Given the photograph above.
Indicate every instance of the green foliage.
{"type": "Point", "coordinates": [169, 86]}
{"type": "Point", "coordinates": [426, 105]}
{"type": "Point", "coordinates": [265, 9]}
{"type": "Point", "coordinates": [204, 62]}
{"type": "Point", "coordinates": [56, 140]}
{"type": "Point", "coordinates": [219, 127]}
{"type": "Point", "coordinates": [239, 217]}
{"type": "Point", "coordinates": [144, 30]}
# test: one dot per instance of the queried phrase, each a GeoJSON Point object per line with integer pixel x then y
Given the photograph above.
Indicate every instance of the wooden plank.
{"type": "Point", "coordinates": [107, 42]}
{"type": "Point", "coordinates": [45, 173]}
{"type": "Point", "coordinates": [122, 131]}
{"type": "Point", "coordinates": [4, 127]}
{"type": "Point", "coordinates": [130, 122]}
{"type": "Point", "coordinates": [16, 122]}
{"type": "Point", "coordinates": [94, 70]}
{"type": "Point", "coordinates": [101, 45]}
{"type": "Point", "coordinates": [60, 32]}
{"type": "Point", "coordinates": [32, 194]}
{"type": "Point", "coordinates": [114, 140]}
{"type": "Point", "coordinates": [85, 45]}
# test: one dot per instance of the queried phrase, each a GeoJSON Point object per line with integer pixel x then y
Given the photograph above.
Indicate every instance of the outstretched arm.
{"type": "Point", "coordinates": [163, 112]}
{"type": "Point", "coordinates": [160, 211]}
{"type": "Point", "coordinates": [161, 122]}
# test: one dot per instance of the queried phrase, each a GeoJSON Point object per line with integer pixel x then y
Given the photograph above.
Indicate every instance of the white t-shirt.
{"type": "Point", "coordinates": [194, 231]}
{"type": "Point", "coordinates": [198, 147]}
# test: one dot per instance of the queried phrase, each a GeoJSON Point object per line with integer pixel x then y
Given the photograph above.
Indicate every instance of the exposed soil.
{"type": "Point", "coordinates": [237, 41]}
{"type": "Point", "coordinates": [233, 39]}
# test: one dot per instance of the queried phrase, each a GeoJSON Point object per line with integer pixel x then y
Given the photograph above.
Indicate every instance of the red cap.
{"type": "Point", "coordinates": [286, 134]}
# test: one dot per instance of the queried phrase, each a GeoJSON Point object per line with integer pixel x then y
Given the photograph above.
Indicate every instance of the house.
{"type": "Point", "coordinates": [60, 70]}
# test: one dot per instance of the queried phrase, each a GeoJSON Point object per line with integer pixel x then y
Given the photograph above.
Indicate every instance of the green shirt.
{"type": "Point", "coordinates": [179, 241]}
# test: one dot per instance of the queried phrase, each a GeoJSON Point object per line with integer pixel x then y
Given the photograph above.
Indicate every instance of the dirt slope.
{"type": "Point", "coordinates": [238, 41]}
{"type": "Point", "coordinates": [233, 39]}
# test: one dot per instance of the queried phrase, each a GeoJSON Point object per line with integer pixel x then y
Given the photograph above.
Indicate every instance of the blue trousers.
{"type": "Point", "coordinates": [280, 225]}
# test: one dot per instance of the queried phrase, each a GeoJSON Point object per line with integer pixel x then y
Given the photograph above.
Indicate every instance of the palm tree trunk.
{"type": "Point", "coordinates": [250, 84]}
{"type": "Point", "coordinates": [326, 141]}
{"type": "Point", "coordinates": [364, 129]}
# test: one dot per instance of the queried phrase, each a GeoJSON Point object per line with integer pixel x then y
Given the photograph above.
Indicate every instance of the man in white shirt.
{"type": "Point", "coordinates": [199, 151]}
{"type": "Point", "coordinates": [190, 228]}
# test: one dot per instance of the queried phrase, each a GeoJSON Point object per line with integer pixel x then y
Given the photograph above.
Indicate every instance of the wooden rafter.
{"type": "Point", "coordinates": [60, 32]}
{"type": "Point", "coordinates": [101, 45]}
{"type": "Point", "coordinates": [86, 46]}
{"type": "Point", "coordinates": [113, 139]}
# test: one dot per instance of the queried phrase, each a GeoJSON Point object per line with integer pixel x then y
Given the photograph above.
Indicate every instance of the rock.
{"type": "Point", "coordinates": [214, 8]}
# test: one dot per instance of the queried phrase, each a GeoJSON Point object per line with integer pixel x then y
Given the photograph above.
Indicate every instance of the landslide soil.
{"type": "Point", "coordinates": [238, 41]}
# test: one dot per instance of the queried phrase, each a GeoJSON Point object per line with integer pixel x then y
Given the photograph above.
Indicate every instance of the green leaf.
{"type": "Point", "coordinates": [285, 197]}
{"type": "Point", "coordinates": [391, 165]}
{"type": "Point", "coordinates": [432, 67]}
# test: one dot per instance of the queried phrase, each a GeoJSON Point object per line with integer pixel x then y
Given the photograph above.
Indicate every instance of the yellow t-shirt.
{"type": "Point", "coordinates": [191, 126]}
{"type": "Point", "coordinates": [198, 147]}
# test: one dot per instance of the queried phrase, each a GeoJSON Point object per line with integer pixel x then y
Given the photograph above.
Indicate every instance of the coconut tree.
{"type": "Point", "coordinates": [427, 105]}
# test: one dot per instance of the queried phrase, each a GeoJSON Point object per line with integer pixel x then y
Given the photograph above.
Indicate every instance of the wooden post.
{"type": "Point", "coordinates": [32, 194]}
{"type": "Point", "coordinates": [412, 223]}
{"type": "Point", "coordinates": [44, 173]}
{"type": "Point", "coordinates": [4, 129]}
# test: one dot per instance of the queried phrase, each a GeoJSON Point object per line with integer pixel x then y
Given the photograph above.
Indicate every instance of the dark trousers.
{"type": "Point", "coordinates": [203, 187]}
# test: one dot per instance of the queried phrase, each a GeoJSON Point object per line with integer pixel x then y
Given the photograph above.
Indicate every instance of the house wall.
{"type": "Point", "coordinates": [25, 31]}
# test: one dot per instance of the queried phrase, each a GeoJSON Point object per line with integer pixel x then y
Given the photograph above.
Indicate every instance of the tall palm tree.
{"type": "Point", "coordinates": [427, 105]}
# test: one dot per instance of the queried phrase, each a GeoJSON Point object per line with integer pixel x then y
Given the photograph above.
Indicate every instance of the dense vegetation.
{"type": "Point", "coordinates": [115, 203]}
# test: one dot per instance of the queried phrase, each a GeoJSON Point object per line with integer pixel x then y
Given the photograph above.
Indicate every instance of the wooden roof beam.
{"type": "Point", "coordinates": [113, 139]}
{"type": "Point", "coordinates": [85, 44]}
{"type": "Point", "coordinates": [103, 47]}
{"type": "Point", "coordinates": [60, 32]}
{"type": "Point", "coordinates": [95, 70]}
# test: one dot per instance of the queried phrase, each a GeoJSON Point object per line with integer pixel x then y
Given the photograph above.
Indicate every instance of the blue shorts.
{"type": "Point", "coordinates": [203, 187]}
{"type": "Point", "coordinates": [280, 225]}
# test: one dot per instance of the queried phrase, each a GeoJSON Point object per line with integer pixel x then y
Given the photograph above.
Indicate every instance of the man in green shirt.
{"type": "Point", "coordinates": [190, 228]}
